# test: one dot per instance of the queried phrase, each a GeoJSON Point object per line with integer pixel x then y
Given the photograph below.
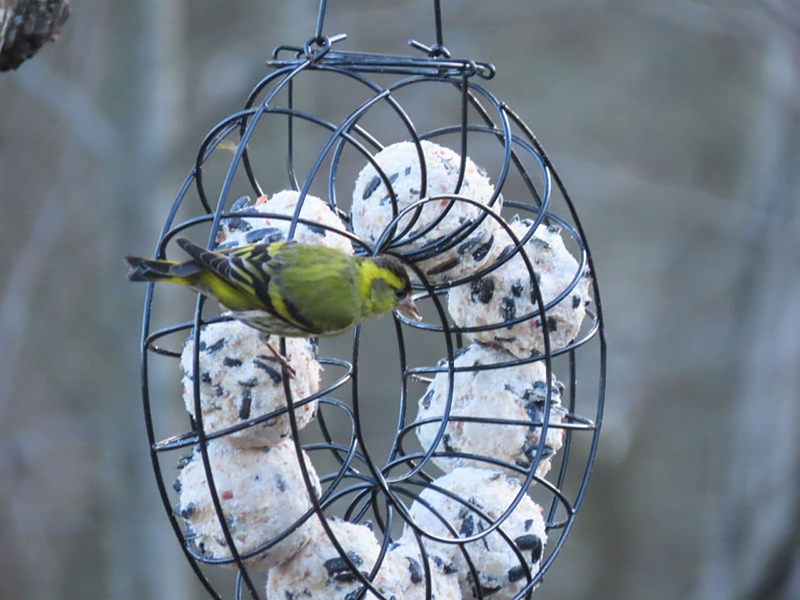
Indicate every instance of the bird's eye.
{"type": "Point", "coordinates": [400, 294]}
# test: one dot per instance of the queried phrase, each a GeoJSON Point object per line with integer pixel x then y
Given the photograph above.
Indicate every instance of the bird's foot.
{"type": "Point", "coordinates": [277, 357]}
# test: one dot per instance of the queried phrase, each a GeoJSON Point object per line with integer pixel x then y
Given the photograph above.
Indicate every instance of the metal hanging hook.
{"type": "Point", "coordinates": [318, 37]}
{"type": "Point", "coordinates": [437, 11]}
{"type": "Point", "coordinates": [318, 45]}
{"type": "Point", "coordinates": [436, 50]}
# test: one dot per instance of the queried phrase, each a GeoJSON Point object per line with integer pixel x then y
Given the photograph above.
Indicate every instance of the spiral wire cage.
{"type": "Point", "coordinates": [363, 485]}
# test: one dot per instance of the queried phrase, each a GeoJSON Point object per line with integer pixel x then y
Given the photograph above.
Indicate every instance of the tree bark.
{"type": "Point", "coordinates": [26, 26]}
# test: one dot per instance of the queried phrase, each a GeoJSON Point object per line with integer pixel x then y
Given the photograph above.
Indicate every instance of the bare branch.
{"type": "Point", "coordinates": [26, 26]}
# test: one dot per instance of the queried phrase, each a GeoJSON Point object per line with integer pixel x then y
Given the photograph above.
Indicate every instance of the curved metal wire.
{"type": "Point", "coordinates": [364, 484]}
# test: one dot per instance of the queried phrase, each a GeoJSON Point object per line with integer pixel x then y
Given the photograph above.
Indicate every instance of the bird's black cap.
{"type": "Point", "coordinates": [395, 265]}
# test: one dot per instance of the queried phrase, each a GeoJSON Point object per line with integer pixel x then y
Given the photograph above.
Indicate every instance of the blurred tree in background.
{"type": "Point", "coordinates": [676, 127]}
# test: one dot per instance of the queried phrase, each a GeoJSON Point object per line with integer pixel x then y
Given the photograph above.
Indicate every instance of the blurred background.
{"type": "Point", "coordinates": [675, 126]}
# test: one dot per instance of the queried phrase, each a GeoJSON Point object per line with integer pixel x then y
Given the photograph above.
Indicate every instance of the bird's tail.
{"type": "Point", "coordinates": [145, 269]}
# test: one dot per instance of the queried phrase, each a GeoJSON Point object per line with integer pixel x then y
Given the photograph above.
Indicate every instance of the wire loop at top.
{"type": "Point", "coordinates": [434, 51]}
{"type": "Point", "coordinates": [323, 44]}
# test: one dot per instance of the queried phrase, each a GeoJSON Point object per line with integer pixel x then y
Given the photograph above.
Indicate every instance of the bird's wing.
{"type": "Point", "coordinates": [246, 268]}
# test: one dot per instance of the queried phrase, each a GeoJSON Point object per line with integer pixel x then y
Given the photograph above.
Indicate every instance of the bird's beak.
{"type": "Point", "coordinates": [408, 309]}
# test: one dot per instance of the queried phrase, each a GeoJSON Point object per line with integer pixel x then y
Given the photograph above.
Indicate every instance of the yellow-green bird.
{"type": "Point", "coordinates": [288, 288]}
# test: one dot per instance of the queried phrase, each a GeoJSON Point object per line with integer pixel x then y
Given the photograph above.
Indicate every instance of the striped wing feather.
{"type": "Point", "coordinates": [248, 269]}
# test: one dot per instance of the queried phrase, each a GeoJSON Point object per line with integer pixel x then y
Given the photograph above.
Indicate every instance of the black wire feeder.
{"type": "Point", "coordinates": [363, 484]}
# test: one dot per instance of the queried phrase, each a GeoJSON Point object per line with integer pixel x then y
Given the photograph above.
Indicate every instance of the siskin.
{"type": "Point", "coordinates": [288, 288]}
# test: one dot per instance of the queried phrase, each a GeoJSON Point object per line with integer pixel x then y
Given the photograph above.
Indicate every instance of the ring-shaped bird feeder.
{"type": "Point", "coordinates": [509, 293]}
